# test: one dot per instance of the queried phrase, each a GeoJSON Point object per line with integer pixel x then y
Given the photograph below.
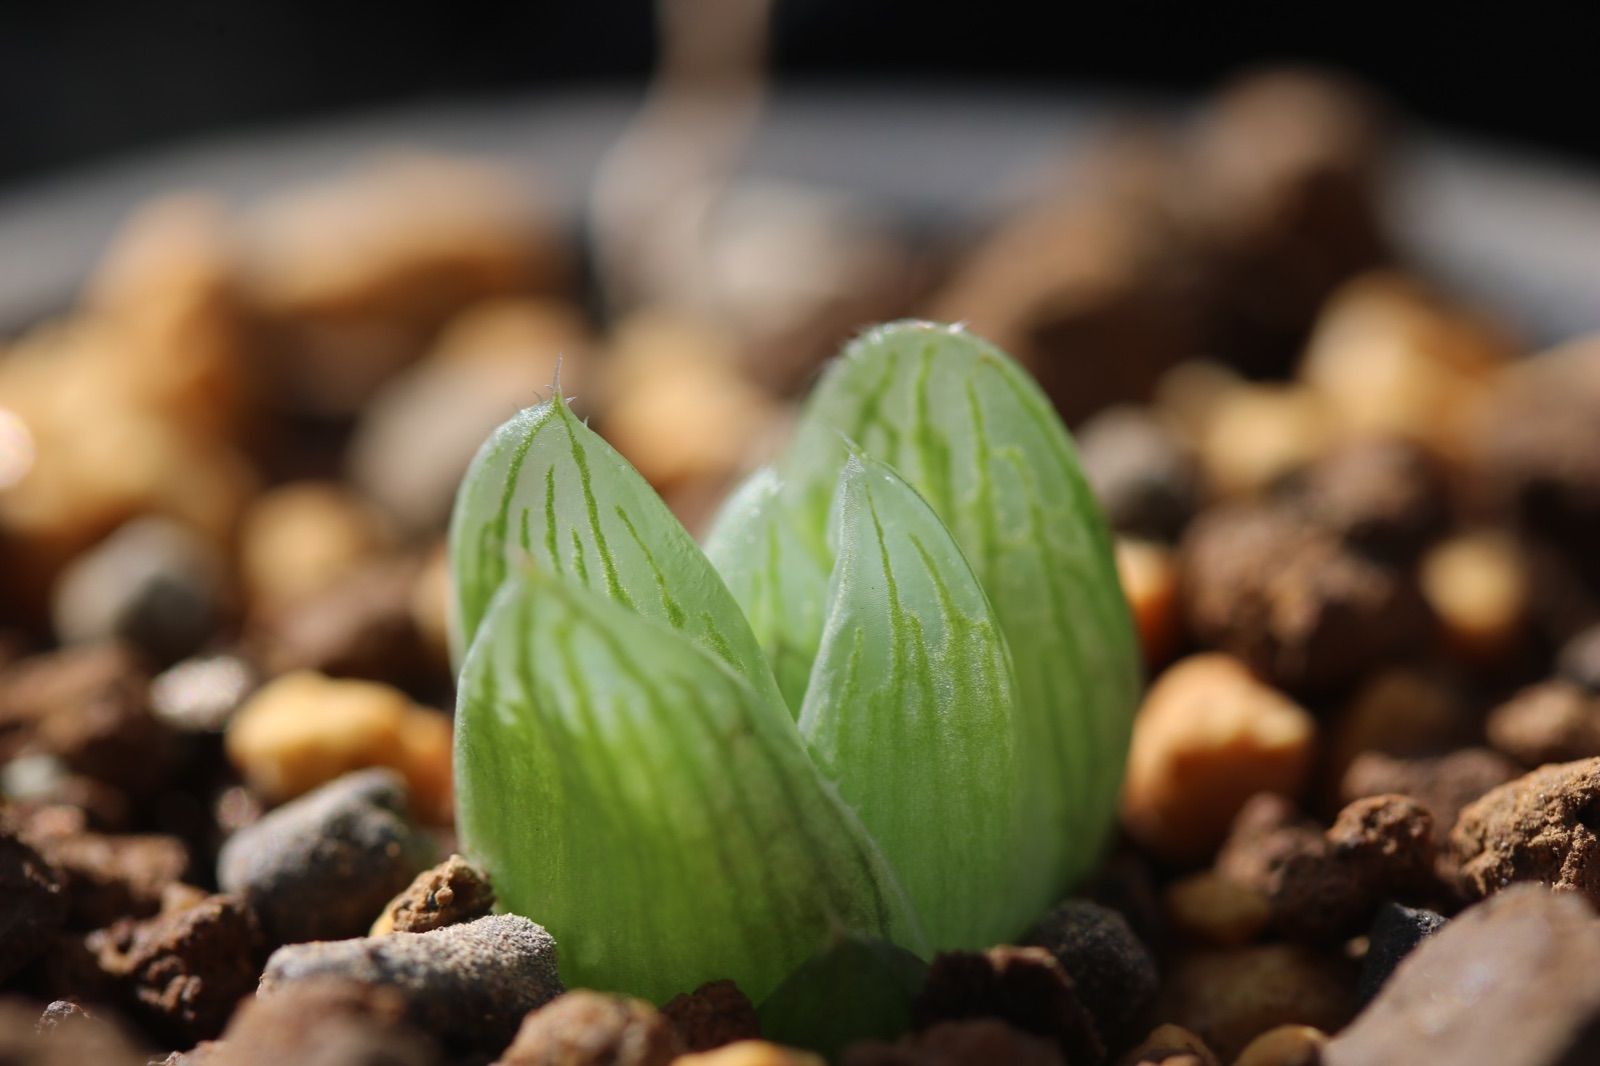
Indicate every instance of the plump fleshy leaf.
{"type": "Point", "coordinates": [777, 575]}
{"type": "Point", "coordinates": [643, 802]}
{"type": "Point", "coordinates": [857, 989]}
{"type": "Point", "coordinates": [971, 432]}
{"type": "Point", "coordinates": [546, 489]}
{"type": "Point", "coordinates": [911, 711]}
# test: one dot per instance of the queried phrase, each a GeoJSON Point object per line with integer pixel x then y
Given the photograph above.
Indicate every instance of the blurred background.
{"type": "Point", "coordinates": [270, 271]}
{"type": "Point", "coordinates": [86, 79]}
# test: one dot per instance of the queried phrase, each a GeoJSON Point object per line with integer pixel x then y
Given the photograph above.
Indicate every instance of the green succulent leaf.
{"type": "Point", "coordinates": [857, 989]}
{"type": "Point", "coordinates": [548, 490]}
{"type": "Point", "coordinates": [776, 574]}
{"type": "Point", "coordinates": [648, 805]}
{"type": "Point", "coordinates": [971, 432]}
{"type": "Point", "coordinates": [911, 711]}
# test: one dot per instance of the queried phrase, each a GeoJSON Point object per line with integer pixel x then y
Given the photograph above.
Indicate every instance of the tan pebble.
{"type": "Point", "coordinates": [80, 453]}
{"type": "Point", "coordinates": [1149, 576]}
{"type": "Point", "coordinates": [1260, 433]}
{"type": "Point", "coordinates": [1477, 585]}
{"type": "Point", "coordinates": [750, 1053]}
{"type": "Point", "coordinates": [676, 405]}
{"type": "Point", "coordinates": [403, 238]}
{"type": "Point", "coordinates": [427, 763]}
{"type": "Point", "coordinates": [430, 603]}
{"type": "Point", "coordinates": [413, 442]}
{"type": "Point", "coordinates": [1167, 1044]}
{"type": "Point", "coordinates": [351, 279]}
{"type": "Point", "coordinates": [298, 539]}
{"type": "Point", "coordinates": [584, 1028]}
{"type": "Point", "coordinates": [542, 331]}
{"type": "Point", "coordinates": [167, 286]}
{"type": "Point", "coordinates": [1189, 395]}
{"type": "Point", "coordinates": [1390, 356]}
{"type": "Point", "coordinates": [1216, 910]}
{"type": "Point", "coordinates": [1207, 738]}
{"type": "Point", "coordinates": [1287, 1045]}
{"type": "Point", "coordinates": [304, 729]}
{"type": "Point", "coordinates": [1230, 997]}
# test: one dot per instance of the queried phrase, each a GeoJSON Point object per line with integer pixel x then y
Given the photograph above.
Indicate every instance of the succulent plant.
{"type": "Point", "coordinates": [891, 696]}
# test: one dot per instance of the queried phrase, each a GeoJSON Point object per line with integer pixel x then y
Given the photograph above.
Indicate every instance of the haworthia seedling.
{"type": "Point", "coordinates": [893, 702]}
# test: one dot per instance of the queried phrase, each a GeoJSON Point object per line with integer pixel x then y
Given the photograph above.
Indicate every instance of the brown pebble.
{"type": "Point", "coordinates": [1140, 471]}
{"type": "Point", "coordinates": [454, 891]}
{"type": "Point", "coordinates": [1538, 446]}
{"type": "Point", "coordinates": [1171, 1045]}
{"type": "Point", "coordinates": [714, 1014]}
{"type": "Point", "coordinates": [584, 1028]}
{"type": "Point", "coordinates": [185, 971]}
{"type": "Point", "coordinates": [106, 877]}
{"type": "Point", "coordinates": [1443, 783]}
{"type": "Point", "coordinates": [1389, 839]}
{"type": "Point", "coordinates": [1398, 711]}
{"type": "Point", "coordinates": [323, 1022]}
{"type": "Point", "coordinates": [1324, 887]}
{"type": "Point", "coordinates": [1287, 1045]}
{"type": "Point", "coordinates": [1293, 601]}
{"type": "Point", "coordinates": [975, 1042]}
{"type": "Point", "coordinates": [26, 1039]}
{"type": "Point", "coordinates": [1230, 997]}
{"type": "Point", "coordinates": [1540, 827]}
{"type": "Point", "coordinates": [60, 1012]}
{"type": "Point", "coordinates": [89, 707]}
{"type": "Point", "coordinates": [1513, 981]}
{"type": "Point", "coordinates": [1208, 737]}
{"type": "Point", "coordinates": [1281, 188]}
{"type": "Point", "coordinates": [1025, 987]}
{"type": "Point", "coordinates": [35, 904]}
{"type": "Point", "coordinates": [1554, 721]}
{"type": "Point", "coordinates": [1383, 495]}
{"type": "Point", "coordinates": [359, 626]}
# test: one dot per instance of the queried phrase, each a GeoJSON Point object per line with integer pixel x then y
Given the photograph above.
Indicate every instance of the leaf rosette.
{"type": "Point", "coordinates": [891, 697]}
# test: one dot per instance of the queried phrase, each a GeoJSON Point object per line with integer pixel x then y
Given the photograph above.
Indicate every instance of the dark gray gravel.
{"type": "Point", "coordinates": [323, 866]}
{"type": "Point", "coordinates": [469, 985]}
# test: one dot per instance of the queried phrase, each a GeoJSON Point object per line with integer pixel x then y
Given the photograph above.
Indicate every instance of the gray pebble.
{"type": "Point", "coordinates": [323, 866]}
{"type": "Point", "coordinates": [469, 984]}
{"type": "Point", "coordinates": [1511, 981]}
{"type": "Point", "coordinates": [417, 437]}
{"type": "Point", "coordinates": [153, 583]}
{"type": "Point", "coordinates": [200, 695]}
{"type": "Point", "coordinates": [1579, 660]}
